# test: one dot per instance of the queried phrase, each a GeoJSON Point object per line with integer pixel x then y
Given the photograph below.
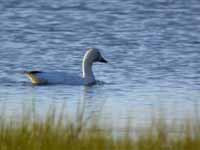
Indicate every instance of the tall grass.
{"type": "Point", "coordinates": [58, 132]}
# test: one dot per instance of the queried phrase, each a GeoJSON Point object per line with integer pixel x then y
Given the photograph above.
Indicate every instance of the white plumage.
{"type": "Point", "coordinates": [92, 55]}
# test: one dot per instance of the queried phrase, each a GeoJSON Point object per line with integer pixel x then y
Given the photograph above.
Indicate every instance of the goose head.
{"type": "Point", "coordinates": [91, 56]}
{"type": "Point", "coordinates": [94, 55]}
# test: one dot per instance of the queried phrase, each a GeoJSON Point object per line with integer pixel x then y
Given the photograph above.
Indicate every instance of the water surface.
{"type": "Point", "coordinates": [152, 47]}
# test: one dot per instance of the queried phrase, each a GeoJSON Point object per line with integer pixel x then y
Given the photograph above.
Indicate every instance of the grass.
{"type": "Point", "coordinates": [57, 132]}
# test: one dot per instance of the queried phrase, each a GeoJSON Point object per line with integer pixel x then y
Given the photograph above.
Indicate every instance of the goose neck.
{"type": "Point", "coordinates": [87, 72]}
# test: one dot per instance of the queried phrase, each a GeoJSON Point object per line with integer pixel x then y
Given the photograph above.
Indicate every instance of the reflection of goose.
{"type": "Point", "coordinates": [91, 104]}
{"type": "Point", "coordinates": [92, 55]}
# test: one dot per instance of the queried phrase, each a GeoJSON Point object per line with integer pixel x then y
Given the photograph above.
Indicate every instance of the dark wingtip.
{"type": "Point", "coordinates": [32, 72]}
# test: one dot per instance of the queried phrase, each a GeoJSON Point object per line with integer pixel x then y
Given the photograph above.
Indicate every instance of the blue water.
{"type": "Point", "coordinates": [153, 48]}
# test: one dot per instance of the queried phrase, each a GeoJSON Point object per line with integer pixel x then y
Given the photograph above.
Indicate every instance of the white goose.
{"type": "Point", "coordinates": [92, 55]}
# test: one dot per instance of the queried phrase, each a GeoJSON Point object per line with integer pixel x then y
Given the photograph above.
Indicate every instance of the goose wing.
{"type": "Point", "coordinates": [41, 78]}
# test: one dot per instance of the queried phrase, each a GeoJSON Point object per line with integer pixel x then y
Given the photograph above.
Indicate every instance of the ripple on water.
{"type": "Point", "coordinates": [152, 48]}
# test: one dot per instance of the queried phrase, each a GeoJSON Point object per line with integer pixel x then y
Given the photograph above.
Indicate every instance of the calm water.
{"type": "Point", "coordinates": [153, 48]}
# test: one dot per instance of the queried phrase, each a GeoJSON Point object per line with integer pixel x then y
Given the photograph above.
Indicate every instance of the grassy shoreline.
{"type": "Point", "coordinates": [58, 132]}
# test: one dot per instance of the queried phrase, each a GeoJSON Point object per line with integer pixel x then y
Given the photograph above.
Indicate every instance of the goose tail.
{"type": "Point", "coordinates": [34, 77]}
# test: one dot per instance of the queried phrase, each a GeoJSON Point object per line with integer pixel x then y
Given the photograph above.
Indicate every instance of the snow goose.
{"type": "Point", "coordinates": [92, 55]}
